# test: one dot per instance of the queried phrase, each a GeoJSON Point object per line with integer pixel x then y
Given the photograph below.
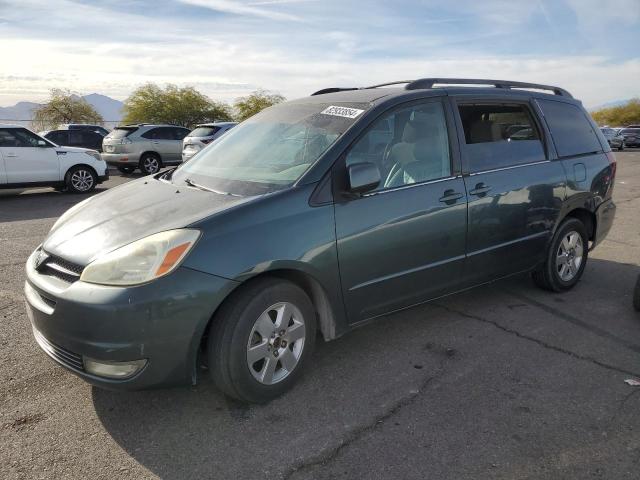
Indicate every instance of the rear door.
{"type": "Point", "coordinates": [164, 141]}
{"type": "Point", "coordinates": [25, 160]}
{"type": "Point", "coordinates": [515, 190]}
{"type": "Point", "coordinates": [402, 243]}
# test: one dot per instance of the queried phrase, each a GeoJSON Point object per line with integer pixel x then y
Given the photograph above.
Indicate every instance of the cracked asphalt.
{"type": "Point", "coordinates": [504, 381]}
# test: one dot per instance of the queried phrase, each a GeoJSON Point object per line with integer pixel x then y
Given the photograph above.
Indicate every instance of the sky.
{"type": "Point", "coordinates": [228, 48]}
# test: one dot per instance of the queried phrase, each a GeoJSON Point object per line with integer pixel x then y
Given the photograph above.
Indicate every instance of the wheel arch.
{"type": "Point", "coordinates": [325, 314]}
{"type": "Point", "coordinates": [588, 219]}
{"type": "Point", "coordinates": [151, 152]}
{"type": "Point", "coordinates": [66, 174]}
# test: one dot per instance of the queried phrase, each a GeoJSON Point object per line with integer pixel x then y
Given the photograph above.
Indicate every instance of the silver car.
{"type": "Point", "coordinates": [143, 146]}
{"type": "Point", "coordinates": [613, 136]}
{"type": "Point", "coordinates": [203, 135]}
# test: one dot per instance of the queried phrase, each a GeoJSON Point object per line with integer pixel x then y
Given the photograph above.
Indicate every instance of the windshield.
{"type": "Point", "coordinates": [269, 151]}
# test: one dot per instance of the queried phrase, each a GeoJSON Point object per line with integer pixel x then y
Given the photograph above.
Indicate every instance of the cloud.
{"type": "Point", "coordinates": [237, 8]}
{"type": "Point", "coordinates": [295, 47]}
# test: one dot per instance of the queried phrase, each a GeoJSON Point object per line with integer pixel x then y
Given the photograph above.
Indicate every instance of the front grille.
{"type": "Point", "coordinates": [60, 268]}
{"type": "Point", "coordinates": [62, 355]}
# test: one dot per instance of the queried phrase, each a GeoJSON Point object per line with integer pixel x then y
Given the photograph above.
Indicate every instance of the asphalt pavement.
{"type": "Point", "coordinates": [505, 381]}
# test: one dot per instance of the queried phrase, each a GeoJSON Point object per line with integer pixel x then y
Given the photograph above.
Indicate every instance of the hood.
{"type": "Point", "coordinates": [74, 149]}
{"type": "Point", "coordinates": [129, 212]}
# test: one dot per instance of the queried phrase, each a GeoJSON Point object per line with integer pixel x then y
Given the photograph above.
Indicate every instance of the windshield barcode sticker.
{"type": "Point", "coordinates": [342, 111]}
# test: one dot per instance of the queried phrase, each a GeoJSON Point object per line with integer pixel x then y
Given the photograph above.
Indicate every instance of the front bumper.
{"type": "Point", "coordinates": [162, 322]}
{"type": "Point", "coordinates": [121, 159]}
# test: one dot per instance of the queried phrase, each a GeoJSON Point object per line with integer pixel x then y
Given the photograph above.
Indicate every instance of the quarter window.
{"type": "Point", "coordinates": [409, 145]}
{"type": "Point", "coordinates": [499, 135]}
{"type": "Point", "coordinates": [571, 131]}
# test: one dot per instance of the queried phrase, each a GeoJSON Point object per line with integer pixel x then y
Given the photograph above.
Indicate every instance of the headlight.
{"type": "Point", "coordinates": [143, 260]}
{"type": "Point", "coordinates": [93, 154]}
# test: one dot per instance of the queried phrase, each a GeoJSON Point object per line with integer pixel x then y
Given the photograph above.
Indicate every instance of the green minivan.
{"type": "Point", "coordinates": [313, 217]}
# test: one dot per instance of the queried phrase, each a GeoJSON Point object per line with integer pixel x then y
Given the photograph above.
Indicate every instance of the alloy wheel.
{"type": "Point", "coordinates": [82, 180]}
{"type": "Point", "coordinates": [151, 164]}
{"type": "Point", "coordinates": [569, 256]}
{"type": "Point", "coordinates": [275, 343]}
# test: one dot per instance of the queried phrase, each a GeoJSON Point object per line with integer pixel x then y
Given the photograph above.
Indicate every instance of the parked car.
{"type": "Point", "coordinates": [203, 135]}
{"type": "Point", "coordinates": [613, 136]}
{"type": "Point", "coordinates": [75, 138]}
{"type": "Point", "coordinates": [296, 221]}
{"type": "Point", "coordinates": [84, 126]}
{"type": "Point", "coordinates": [28, 160]}
{"type": "Point", "coordinates": [631, 136]}
{"type": "Point", "coordinates": [143, 146]}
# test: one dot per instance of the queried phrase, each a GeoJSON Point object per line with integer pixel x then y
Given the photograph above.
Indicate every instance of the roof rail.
{"type": "Point", "coordinates": [333, 90]}
{"type": "Point", "coordinates": [430, 82]}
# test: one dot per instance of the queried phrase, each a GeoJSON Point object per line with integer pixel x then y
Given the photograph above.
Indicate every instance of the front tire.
{"type": "Point", "coordinates": [566, 257]}
{"type": "Point", "coordinates": [636, 295]}
{"type": "Point", "coordinates": [80, 179]}
{"type": "Point", "coordinates": [261, 340]}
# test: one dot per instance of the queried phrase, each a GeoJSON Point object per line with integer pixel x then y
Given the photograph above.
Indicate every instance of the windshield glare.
{"type": "Point", "coordinates": [267, 152]}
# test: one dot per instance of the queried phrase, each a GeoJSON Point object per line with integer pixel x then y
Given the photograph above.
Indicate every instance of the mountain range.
{"type": "Point", "coordinates": [109, 108]}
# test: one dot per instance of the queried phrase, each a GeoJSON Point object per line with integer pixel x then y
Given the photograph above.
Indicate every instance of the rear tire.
{"type": "Point", "coordinates": [566, 258]}
{"type": "Point", "coordinates": [150, 163]}
{"type": "Point", "coordinates": [126, 170]}
{"type": "Point", "coordinates": [80, 179]}
{"type": "Point", "coordinates": [252, 356]}
{"type": "Point", "coordinates": [636, 295]}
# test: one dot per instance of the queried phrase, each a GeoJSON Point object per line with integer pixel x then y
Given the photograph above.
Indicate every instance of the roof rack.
{"type": "Point", "coordinates": [427, 83]}
{"type": "Point", "coordinates": [430, 82]}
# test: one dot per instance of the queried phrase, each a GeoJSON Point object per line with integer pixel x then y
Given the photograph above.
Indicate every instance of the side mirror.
{"type": "Point", "coordinates": [363, 177]}
{"type": "Point", "coordinates": [42, 143]}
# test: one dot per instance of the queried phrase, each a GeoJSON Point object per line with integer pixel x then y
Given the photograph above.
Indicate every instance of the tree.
{"type": "Point", "coordinates": [178, 106]}
{"type": "Point", "coordinates": [64, 107]}
{"type": "Point", "coordinates": [619, 116]}
{"type": "Point", "coordinates": [248, 106]}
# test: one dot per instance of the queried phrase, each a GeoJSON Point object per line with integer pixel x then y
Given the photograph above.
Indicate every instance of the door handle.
{"type": "Point", "coordinates": [155, 143]}
{"type": "Point", "coordinates": [450, 196]}
{"type": "Point", "coordinates": [10, 154]}
{"type": "Point", "coordinates": [480, 190]}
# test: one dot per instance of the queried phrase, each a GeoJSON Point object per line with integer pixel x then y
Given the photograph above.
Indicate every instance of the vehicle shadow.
{"type": "Point", "coordinates": [359, 379]}
{"type": "Point", "coordinates": [43, 203]}
{"type": "Point", "coordinates": [32, 204]}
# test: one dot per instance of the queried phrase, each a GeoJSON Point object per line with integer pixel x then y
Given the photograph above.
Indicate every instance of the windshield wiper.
{"type": "Point", "coordinates": [191, 183]}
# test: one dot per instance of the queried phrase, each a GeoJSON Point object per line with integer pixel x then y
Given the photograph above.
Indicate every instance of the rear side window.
{"type": "Point", "coordinates": [120, 132]}
{"type": "Point", "coordinates": [500, 135]}
{"type": "Point", "coordinates": [204, 131]}
{"type": "Point", "coordinates": [180, 133]}
{"type": "Point", "coordinates": [571, 130]}
{"type": "Point", "coordinates": [59, 138]}
{"type": "Point", "coordinates": [161, 133]}
{"type": "Point", "coordinates": [75, 138]}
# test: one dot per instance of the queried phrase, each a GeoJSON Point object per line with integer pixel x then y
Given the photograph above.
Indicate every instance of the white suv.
{"type": "Point", "coordinates": [28, 160]}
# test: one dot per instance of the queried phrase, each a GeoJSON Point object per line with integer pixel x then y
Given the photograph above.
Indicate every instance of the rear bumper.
{"type": "Point", "coordinates": [605, 214]}
{"type": "Point", "coordinates": [121, 159]}
{"type": "Point", "coordinates": [161, 322]}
